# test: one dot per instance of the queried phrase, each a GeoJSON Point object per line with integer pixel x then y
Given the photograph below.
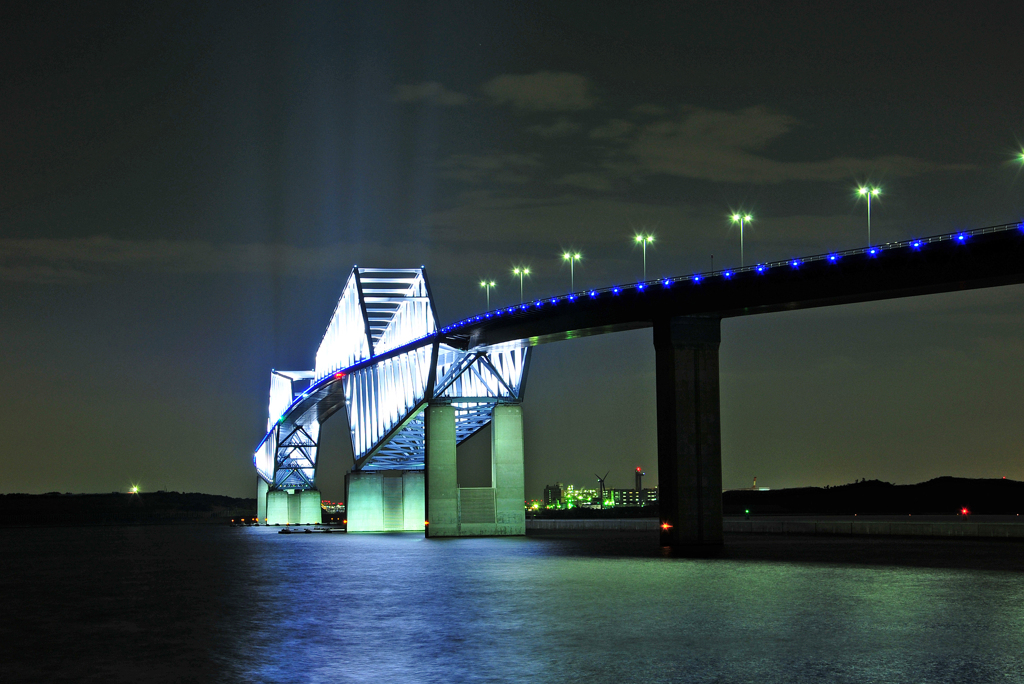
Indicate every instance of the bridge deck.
{"type": "Point", "coordinates": [984, 257]}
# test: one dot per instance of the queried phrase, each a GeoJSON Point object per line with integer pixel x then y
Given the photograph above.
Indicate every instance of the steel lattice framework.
{"type": "Point", "coordinates": [382, 359]}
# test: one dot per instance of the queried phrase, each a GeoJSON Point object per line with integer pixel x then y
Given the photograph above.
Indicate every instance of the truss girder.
{"type": "Point", "coordinates": [381, 357]}
{"type": "Point", "coordinates": [379, 310]}
{"type": "Point", "coordinates": [473, 382]}
{"type": "Point", "coordinates": [382, 396]}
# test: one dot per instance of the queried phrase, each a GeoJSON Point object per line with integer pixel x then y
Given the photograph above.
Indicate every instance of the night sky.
{"type": "Point", "coordinates": [184, 189]}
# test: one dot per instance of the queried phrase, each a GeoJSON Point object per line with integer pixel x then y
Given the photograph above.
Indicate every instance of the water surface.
{"type": "Point", "coordinates": [172, 604]}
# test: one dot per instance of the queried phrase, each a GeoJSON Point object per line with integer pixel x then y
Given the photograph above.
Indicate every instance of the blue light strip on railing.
{"type": "Point", "coordinates": [833, 257]}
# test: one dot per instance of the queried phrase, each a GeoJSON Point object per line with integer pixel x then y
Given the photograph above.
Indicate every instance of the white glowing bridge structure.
{"type": "Point", "coordinates": [383, 360]}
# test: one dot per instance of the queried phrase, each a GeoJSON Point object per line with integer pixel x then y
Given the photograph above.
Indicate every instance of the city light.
{"type": "Point", "coordinates": [572, 258]}
{"type": "Point", "coordinates": [741, 219]}
{"type": "Point", "coordinates": [487, 285]}
{"type": "Point", "coordinates": [868, 192]}
{"type": "Point", "coordinates": [521, 271]}
{"type": "Point", "coordinates": [643, 241]}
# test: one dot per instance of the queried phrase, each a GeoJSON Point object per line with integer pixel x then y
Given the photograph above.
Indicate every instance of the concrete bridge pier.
{"type": "Point", "coordinates": [454, 511]}
{"type": "Point", "coordinates": [689, 430]}
{"type": "Point", "coordinates": [384, 500]}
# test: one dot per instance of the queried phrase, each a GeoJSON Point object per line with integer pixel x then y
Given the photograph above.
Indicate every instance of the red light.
{"type": "Point", "coordinates": [665, 526]}
{"type": "Point", "coordinates": [339, 375]}
{"type": "Point", "coordinates": [964, 511]}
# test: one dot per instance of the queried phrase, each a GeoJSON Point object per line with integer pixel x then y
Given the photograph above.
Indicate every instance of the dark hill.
{"type": "Point", "coordinates": [941, 496]}
{"type": "Point", "coordinates": [119, 508]}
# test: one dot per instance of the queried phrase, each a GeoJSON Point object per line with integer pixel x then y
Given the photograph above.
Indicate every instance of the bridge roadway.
{"type": "Point", "coordinates": [686, 314]}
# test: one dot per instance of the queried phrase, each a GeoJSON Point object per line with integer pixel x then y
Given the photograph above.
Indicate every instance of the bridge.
{"type": "Point", "coordinates": [413, 391]}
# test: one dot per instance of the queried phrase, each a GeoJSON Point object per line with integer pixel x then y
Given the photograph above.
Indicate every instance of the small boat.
{"type": "Point", "coordinates": [284, 531]}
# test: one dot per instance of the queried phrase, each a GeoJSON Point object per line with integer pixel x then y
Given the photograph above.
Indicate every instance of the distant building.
{"type": "Point", "coordinates": [332, 507]}
{"type": "Point", "coordinates": [553, 495]}
{"type": "Point", "coordinates": [633, 497]}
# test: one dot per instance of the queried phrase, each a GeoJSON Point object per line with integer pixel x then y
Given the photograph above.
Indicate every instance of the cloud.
{"type": "Point", "coordinates": [616, 128]}
{"type": "Point", "coordinates": [587, 181]}
{"type": "Point", "coordinates": [724, 146]}
{"type": "Point", "coordinates": [560, 128]}
{"type": "Point", "coordinates": [429, 91]}
{"type": "Point", "coordinates": [648, 110]}
{"type": "Point", "coordinates": [542, 91]}
{"type": "Point", "coordinates": [498, 167]}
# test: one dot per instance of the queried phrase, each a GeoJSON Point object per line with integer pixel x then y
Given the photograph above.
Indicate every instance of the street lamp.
{"type": "Point", "coordinates": [644, 240]}
{"type": "Point", "coordinates": [521, 271]}
{"type": "Point", "coordinates": [572, 258]}
{"type": "Point", "coordinates": [487, 285]}
{"type": "Point", "coordinates": [869, 192]}
{"type": "Point", "coordinates": [741, 219]}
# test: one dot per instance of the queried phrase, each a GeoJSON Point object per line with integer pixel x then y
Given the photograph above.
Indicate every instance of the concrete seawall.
{"type": "Point", "coordinates": [938, 526]}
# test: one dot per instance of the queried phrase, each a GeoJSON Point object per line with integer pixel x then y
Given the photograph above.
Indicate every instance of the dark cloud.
{"type": "Point", "coordinates": [614, 129]}
{"type": "Point", "coordinates": [730, 147]}
{"type": "Point", "coordinates": [588, 181]}
{"type": "Point", "coordinates": [558, 129]}
{"type": "Point", "coordinates": [541, 91]}
{"type": "Point", "coordinates": [429, 91]}
{"type": "Point", "coordinates": [503, 168]}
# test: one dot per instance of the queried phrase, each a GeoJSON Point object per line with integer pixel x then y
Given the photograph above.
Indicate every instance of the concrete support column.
{"type": "Point", "coordinates": [261, 500]}
{"type": "Point", "coordinates": [507, 469]}
{"type": "Point", "coordinates": [364, 501]}
{"type": "Point", "coordinates": [689, 430]}
{"type": "Point", "coordinates": [441, 485]}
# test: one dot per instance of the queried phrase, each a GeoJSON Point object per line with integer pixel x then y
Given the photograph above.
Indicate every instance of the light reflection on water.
{"type": "Point", "coordinates": [221, 604]}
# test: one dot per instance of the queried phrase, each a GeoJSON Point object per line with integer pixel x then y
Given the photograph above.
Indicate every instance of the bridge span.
{"type": "Point", "coordinates": [413, 390]}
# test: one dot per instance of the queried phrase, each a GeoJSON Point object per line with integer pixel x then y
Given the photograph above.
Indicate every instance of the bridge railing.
{"type": "Point", "coordinates": [871, 250]}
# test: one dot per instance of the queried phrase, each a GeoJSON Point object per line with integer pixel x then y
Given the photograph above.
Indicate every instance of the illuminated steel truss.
{"type": "Point", "coordinates": [382, 360]}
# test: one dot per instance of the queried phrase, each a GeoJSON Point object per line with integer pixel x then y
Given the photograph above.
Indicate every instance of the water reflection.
{"type": "Point", "coordinates": [212, 604]}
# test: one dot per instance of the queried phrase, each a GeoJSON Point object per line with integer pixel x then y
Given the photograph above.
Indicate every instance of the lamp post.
{"type": "Point", "coordinates": [868, 192]}
{"type": "Point", "coordinates": [572, 258]}
{"type": "Point", "coordinates": [741, 219]}
{"type": "Point", "coordinates": [487, 285]}
{"type": "Point", "coordinates": [521, 271]}
{"type": "Point", "coordinates": [644, 240]}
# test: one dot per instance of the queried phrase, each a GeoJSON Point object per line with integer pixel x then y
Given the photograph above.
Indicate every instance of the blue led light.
{"type": "Point", "coordinates": [511, 309]}
{"type": "Point", "coordinates": [961, 237]}
{"type": "Point", "coordinates": [873, 251]}
{"type": "Point", "coordinates": [593, 293]}
{"type": "Point", "coordinates": [616, 290]}
{"type": "Point", "coordinates": [795, 263]}
{"type": "Point", "coordinates": [727, 274]}
{"type": "Point", "coordinates": [539, 302]}
{"type": "Point", "coordinates": [498, 312]}
{"type": "Point", "coordinates": [696, 278]}
{"type": "Point", "coordinates": [554, 300]}
{"type": "Point", "coordinates": [572, 298]}
{"type": "Point", "coordinates": [524, 306]}
{"type": "Point", "coordinates": [761, 268]}
{"type": "Point", "coordinates": [640, 286]}
{"type": "Point", "coordinates": [666, 282]}
{"type": "Point", "coordinates": [833, 258]}
{"type": "Point", "coordinates": [489, 315]}
{"type": "Point", "coordinates": [916, 244]}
